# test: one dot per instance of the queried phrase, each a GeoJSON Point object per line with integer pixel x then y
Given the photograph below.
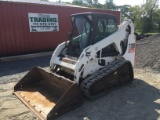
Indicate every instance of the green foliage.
{"type": "Point", "coordinates": [109, 4]}
{"type": "Point", "coordinates": [135, 13]}
{"type": "Point", "coordinates": [156, 19]}
{"type": "Point", "coordinates": [153, 33]}
{"type": "Point", "coordinates": [146, 17]}
{"type": "Point", "coordinates": [87, 3]}
{"type": "Point", "coordinates": [78, 2]}
{"type": "Point", "coordinates": [148, 10]}
{"type": "Point", "coordinates": [124, 9]}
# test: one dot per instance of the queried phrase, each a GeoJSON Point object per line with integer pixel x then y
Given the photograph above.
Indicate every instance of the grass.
{"type": "Point", "coordinates": [152, 33]}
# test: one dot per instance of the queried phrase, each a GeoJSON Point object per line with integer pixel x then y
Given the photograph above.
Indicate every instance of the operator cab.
{"type": "Point", "coordinates": [88, 29]}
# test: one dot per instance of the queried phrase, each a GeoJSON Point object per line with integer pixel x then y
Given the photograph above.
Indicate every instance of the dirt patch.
{"type": "Point", "coordinates": [139, 100]}
{"type": "Point", "coordinates": [148, 53]}
{"type": "Point", "coordinates": [11, 107]}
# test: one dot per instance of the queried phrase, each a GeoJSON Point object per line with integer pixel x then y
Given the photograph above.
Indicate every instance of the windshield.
{"type": "Point", "coordinates": [81, 32]}
{"type": "Point", "coordinates": [80, 35]}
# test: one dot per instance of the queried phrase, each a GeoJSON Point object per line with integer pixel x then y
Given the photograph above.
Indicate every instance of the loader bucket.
{"type": "Point", "coordinates": [48, 95]}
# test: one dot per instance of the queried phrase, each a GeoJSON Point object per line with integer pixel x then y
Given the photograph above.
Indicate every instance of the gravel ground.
{"type": "Point", "coordinates": [148, 53]}
{"type": "Point", "coordinates": [137, 101]}
{"type": "Point", "coordinates": [10, 74]}
{"type": "Point", "coordinates": [10, 71]}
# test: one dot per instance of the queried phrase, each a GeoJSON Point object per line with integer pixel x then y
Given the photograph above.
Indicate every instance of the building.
{"type": "Point", "coordinates": [19, 29]}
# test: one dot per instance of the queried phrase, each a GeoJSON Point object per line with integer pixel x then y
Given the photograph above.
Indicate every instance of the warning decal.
{"type": "Point", "coordinates": [131, 48]}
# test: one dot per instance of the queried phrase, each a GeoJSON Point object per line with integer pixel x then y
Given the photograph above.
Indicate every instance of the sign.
{"type": "Point", "coordinates": [41, 22]}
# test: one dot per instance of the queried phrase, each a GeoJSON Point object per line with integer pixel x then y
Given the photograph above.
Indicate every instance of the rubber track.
{"type": "Point", "coordinates": [86, 84]}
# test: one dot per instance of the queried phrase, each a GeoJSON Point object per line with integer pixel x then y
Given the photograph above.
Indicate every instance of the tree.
{"type": "Point", "coordinates": [95, 2]}
{"type": "Point", "coordinates": [156, 19]}
{"type": "Point", "coordinates": [124, 11]}
{"type": "Point", "coordinates": [77, 2]}
{"type": "Point", "coordinates": [143, 16]}
{"type": "Point", "coordinates": [135, 15]}
{"type": "Point", "coordinates": [91, 3]}
{"type": "Point", "coordinates": [148, 10]}
{"type": "Point", "coordinates": [109, 4]}
{"type": "Point", "coordinates": [146, 17]}
{"type": "Point", "coordinates": [87, 3]}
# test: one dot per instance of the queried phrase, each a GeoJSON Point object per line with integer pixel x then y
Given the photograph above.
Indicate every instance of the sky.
{"type": "Point", "coordinates": [117, 2]}
{"type": "Point", "coordinates": [128, 2]}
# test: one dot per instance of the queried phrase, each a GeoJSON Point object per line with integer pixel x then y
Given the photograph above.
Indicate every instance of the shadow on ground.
{"type": "Point", "coordinates": [136, 101]}
{"type": "Point", "coordinates": [13, 67]}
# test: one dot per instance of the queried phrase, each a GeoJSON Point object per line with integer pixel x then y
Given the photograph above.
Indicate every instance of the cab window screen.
{"type": "Point", "coordinates": [104, 28]}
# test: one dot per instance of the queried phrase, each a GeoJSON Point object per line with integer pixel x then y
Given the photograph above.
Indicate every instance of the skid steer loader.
{"type": "Point", "coordinates": [98, 56]}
